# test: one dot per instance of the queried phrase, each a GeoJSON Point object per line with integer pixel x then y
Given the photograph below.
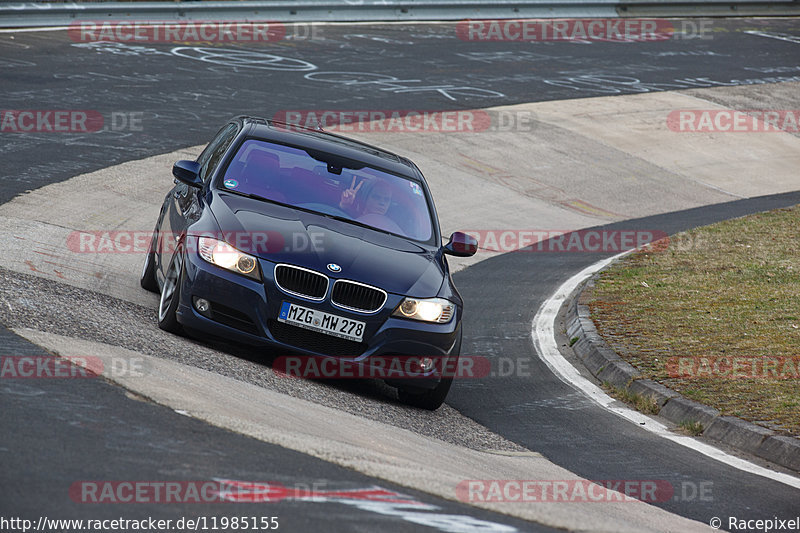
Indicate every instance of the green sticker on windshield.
{"type": "Point", "coordinates": [231, 184]}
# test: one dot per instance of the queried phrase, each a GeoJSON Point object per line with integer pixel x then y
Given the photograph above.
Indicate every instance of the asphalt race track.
{"type": "Point", "coordinates": [184, 92]}
{"type": "Point", "coordinates": [546, 415]}
{"type": "Point", "coordinates": [160, 98]}
{"type": "Point", "coordinates": [96, 431]}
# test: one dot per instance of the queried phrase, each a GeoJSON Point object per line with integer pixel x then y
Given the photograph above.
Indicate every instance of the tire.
{"type": "Point", "coordinates": [431, 399]}
{"type": "Point", "coordinates": [148, 279]}
{"type": "Point", "coordinates": [171, 295]}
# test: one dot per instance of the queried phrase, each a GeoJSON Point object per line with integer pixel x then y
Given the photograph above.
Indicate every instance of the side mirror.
{"type": "Point", "coordinates": [188, 172]}
{"type": "Point", "coordinates": [461, 245]}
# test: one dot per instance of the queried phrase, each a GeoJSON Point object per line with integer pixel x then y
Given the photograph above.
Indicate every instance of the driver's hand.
{"type": "Point", "coordinates": [349, 195]}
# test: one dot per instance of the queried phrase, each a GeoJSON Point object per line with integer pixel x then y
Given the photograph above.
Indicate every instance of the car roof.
{"type": "Point", "coordinates": [318, 139]}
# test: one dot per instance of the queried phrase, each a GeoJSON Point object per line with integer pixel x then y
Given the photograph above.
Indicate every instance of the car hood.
{"type": "Point", "coordinates": [314, 241]}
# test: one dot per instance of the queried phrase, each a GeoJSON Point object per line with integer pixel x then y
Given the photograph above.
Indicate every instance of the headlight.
{"type": "Point", "coordinates": [224, 255]}
{"type": "Point", "coordinates": [428, 310]}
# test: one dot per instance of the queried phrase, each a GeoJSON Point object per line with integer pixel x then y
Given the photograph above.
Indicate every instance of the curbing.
{"type": "Point", "coordinates": [659, 392]}
{"type": "Point", "coordinates": [737, 433]}
{"type": "Point", "coordinates": [608, 366]}
{"type": "Point", "coordinates": [680, 409]}
{"type": "Point", "coordinates": [782, 447]}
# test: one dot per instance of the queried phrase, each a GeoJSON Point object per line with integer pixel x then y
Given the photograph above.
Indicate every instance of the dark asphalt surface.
{"type": "Point", "coordinates": [62, 436]}
{"type": "Point", "coordinates": [179, 95]}
{"type": "Point", "coordinates": [56, 432]}
{"type": "Point", "coordinates": [533, 408]}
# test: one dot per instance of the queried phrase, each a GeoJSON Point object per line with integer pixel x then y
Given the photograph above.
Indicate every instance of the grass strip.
{"type": "Point", "coordinates": [715, 315]}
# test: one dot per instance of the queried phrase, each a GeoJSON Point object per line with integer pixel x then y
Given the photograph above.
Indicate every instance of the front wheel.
{"type": "Point", "coordinates": [171, 295]}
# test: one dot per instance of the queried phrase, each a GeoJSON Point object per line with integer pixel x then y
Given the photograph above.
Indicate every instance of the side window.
{"type": "Point", "coordinates": [213, 153]}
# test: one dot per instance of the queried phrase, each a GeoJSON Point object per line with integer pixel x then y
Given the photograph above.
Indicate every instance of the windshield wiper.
{"type": "Point", "coordinates": [348, 220]}
{"type": "Point", "coordinates": [256, 197]}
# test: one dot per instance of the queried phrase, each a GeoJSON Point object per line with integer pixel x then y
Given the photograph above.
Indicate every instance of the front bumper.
{"type": "Point", "coordinates": [246, 311]}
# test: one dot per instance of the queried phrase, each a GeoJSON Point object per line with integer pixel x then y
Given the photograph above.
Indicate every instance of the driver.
{"type": "Point", "coordinates": [368, 202]}
{"type": "Point", "coordinates": [372, 196]}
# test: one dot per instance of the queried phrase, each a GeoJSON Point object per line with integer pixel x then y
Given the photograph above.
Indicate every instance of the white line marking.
{"type": "Point", "coordinates": [293, 23]}
{"type": "Point", "coordinates": [543, 335]}
{"type": "Point", "coordinates": [29, 30]}
{"type": "Point", "coordinates": [780, 36]}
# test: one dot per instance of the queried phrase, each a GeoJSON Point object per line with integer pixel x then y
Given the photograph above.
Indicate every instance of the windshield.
{"type": "Point", "coordinates": [369, 196]}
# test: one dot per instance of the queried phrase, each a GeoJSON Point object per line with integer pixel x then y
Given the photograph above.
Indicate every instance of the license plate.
{"type": "Point", "coordinates": [319, 321]}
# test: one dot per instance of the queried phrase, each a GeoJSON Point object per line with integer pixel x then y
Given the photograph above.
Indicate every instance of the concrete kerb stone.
{"type": "Point", "coordinates": [603, 362]}
{"type": "Point", "coordinates": [608, 366]}
{"type": "Point", "coordinates": [737, 432]}
{"type": "Point", "coordinates": [680, 409]}
{"type": "Point", "coordinates": [654, 390]}
{"type": "Point", "coordinates": [782, 450]}
{"type": "Point", "coordinates": [619, 374]}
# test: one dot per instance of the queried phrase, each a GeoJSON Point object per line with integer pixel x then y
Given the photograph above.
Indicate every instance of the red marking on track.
{"type": "Point", "coordinates": [252, 492]}
{"type": "Point", "coordinates": [45, 253]}
{"type": "Point", "coordinates": [97, 275]}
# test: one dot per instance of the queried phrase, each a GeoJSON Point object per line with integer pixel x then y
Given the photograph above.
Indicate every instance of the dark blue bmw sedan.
{"type": "Point", "coordinates": [312, 244]}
